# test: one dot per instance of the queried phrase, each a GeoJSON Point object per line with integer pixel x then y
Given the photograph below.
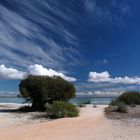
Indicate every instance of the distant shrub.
{"type": "Point", "coordinates": [94, 105]}
{"type": "Point", "coordinates": [114, 103]}
{"type": "Point", "coordinates": [132, 105]}
{"type": "Point", "coordinates": [122, 108]}
{"type": "Point", "coordinates": [129, 98]}
{"type": "Point", "coordinates": [60, 109]}
{"type": "Point", "coordinates": [85, 102]}
{"type": "Point", "coordinates": [81, 105]}
{"type": "Point", "coordinates": [110, 108]}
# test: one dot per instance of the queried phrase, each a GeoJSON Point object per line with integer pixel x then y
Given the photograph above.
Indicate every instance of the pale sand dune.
{"type": "Point", "coordinates": [91, 125]}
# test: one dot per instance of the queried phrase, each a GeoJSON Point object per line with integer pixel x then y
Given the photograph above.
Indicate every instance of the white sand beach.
{"type": "Point", "coordinates": [90, 125]}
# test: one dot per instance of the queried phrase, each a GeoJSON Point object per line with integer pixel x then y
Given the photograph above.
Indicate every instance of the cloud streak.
{"type": "Point", "coordinates": [33, 35]}
{"type": "Point", "coordinates": [14, 74]}
{"type": "Point", "coordinates": [110, 14]}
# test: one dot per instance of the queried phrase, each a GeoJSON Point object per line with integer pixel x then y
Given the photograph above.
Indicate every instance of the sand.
{"type": "Point", "coordinates": [92, 124]}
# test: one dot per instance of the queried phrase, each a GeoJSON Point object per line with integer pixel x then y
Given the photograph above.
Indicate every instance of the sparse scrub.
{"type": "Point", "coordinates": [86, 102]}
{"type": "Point", "coordinates": [122, 108]}
{"type": "Point", "coordinates": [110, 109]}
{"type": "Point", "coordinates": [81, 105]}
{"type": "Point", "coordinates": [60, 109]}
{"type": "Point", "coordinates": [129, 98]}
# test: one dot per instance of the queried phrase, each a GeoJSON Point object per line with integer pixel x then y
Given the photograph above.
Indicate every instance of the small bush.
{"type": "Point", "coordinates": [81, 105]}
{"type": "Point", "coordinates": [132, 105]}
{"type": "Point", "coordinates": [110, 109]}
{"type": "Point", "coordinates": [114, 103]}
{"type": "Point", "coordinates": [85, 102]}
{"type": "Point", "coordinates": [61, 109]}
{"type": "Point", "coordinates": [130, 98]}
{"type": "Point", "coordinates": [122, 108]}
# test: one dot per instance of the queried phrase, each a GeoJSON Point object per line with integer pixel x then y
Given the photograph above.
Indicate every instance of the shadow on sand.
{"type": "Point", "coordinates": [8, 110]}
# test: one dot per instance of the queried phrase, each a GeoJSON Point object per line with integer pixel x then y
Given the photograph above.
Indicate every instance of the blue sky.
{"type": "Point", "coordinates": [92, 43]}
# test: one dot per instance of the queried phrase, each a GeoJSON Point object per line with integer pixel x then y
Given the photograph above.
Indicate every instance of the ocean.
{"type": "Point", "coordinates": [11, 99]}
{"type": "Point", "coordinates": [93, 100]}
{"type": "Point", "coordinates": [76, 100]}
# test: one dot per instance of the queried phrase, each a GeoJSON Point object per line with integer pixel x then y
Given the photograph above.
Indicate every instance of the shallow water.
{"type": "Point", "coordinates": [77, 100]}
{"type": "Point", "coordinates": [92, 100]}
{"type": "Point", "coordinates": [11, 99]}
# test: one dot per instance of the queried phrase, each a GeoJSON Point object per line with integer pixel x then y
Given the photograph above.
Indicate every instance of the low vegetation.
{"type": "Point", "coordinates": [131, 99]}
{"type": "Point", "coordinates": [43, 89]}
{"type": "Point", "coordinates": [60, 109]}
{"type": "Point", "coordinates": [50, 94]}
{"type": "Point", "coordinates": [81, 105]}
{"type": "Point", "coordinates": [122, 108]}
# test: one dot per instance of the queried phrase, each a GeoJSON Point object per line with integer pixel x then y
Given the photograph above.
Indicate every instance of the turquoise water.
{"type": "Point", "coordinates": [93, 100]}
{"type": "Point", "coordinates": [11, 100]}
{"type": "Point", "coordinates": [77, 100]}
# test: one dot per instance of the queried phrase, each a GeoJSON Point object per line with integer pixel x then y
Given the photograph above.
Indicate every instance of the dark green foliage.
{"type": "Point", "coordinates": [114, 102]}
{"type": "Point", "coordinates": [128, 98]}
{"type": "Point", "coordinates": [43, 89]}
{"type": "Point", "coordinates": [60, 109]}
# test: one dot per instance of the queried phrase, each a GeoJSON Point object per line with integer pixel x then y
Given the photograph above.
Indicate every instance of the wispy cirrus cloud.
{"type": "Point", "coordinates": [43, 31]}
{"type": "Point", "coordinates": [33, 35]}
{"type": "Point", "coordinates": [7, 73]}
{"type": "Point", "coordinates": [107, 13]}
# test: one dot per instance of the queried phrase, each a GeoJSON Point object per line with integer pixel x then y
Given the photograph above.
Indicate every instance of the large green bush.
{"type": "Point", "coordinates": [43, 89]}
{"type": "Point", "coordinates": [129, 98]}
{"type": "Point", "coordinates": [60, 109]}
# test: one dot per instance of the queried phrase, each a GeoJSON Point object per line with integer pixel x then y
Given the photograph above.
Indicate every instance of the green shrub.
{"type": "Point", "coordinates": [60, 109]}
{"type": "Point", "coordinates": [128, 98]}
{"type": "Point", "coordinates": [114, 103]}
{"type": "Point", "coordinates": [43, 89]}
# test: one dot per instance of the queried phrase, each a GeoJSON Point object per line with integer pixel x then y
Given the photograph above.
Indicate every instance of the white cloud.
{"type": "Point", "coordinates": [40, 70]}
{"type": "Point", "coordinates": [105, 77]}
{"type": "Point", "coordinates": [11, 73]}
{"type": "Point", "coordinates": [99, 77]}
{"type": "Point", "coordinates": [126, 80]}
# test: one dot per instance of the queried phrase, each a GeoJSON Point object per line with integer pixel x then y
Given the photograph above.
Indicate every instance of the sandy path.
{"type": "Point", "coordinates": [91, 125]}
